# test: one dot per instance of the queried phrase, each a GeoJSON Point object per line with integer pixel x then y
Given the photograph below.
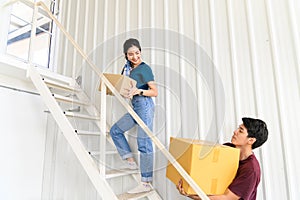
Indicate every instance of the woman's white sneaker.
{"type": "Point", "coordinates": [131, 165]}
{"type": "Point", "coordinates": [142, 187]}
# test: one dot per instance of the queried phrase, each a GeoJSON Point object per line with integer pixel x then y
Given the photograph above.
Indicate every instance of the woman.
{"type": "Point", "coordinates": [144, 107]}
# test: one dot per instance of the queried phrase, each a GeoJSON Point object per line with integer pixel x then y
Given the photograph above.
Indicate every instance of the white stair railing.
{"type": "Point", "coordinates": [66, 128]}
{"type": "Point", "coordinates": [97, 177]}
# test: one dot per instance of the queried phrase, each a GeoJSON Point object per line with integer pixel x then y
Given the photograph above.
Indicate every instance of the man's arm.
{"type": "Point", "coordinates": [228, 195]}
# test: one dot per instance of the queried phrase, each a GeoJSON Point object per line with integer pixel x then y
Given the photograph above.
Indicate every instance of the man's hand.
{"type": "Point", "coordinates": [179, 187]}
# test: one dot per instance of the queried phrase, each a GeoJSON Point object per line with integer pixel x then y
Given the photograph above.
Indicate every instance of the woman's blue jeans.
{"type": "Point", "coordinates": [144, 107]}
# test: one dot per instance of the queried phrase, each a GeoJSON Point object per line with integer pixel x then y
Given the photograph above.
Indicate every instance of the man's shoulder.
{"type": "Point", "coordinates": [251, 164]}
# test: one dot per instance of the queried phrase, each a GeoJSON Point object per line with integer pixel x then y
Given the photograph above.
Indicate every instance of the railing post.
{"type": "Point", "coordinates": [102, 163]}
{"type": "Point", "coordinates": [32, 37]}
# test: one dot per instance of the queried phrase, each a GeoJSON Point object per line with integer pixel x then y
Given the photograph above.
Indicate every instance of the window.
{"type": "Point", "coordinates": [20, 30]}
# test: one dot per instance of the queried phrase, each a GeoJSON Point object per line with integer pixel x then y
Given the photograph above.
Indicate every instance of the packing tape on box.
{"type": "Point", "coordinates": [216, 155]}
{"type": "Point", "coordinates": [214, 183]}
{"type": "Point", "coordinates": [206, 150]}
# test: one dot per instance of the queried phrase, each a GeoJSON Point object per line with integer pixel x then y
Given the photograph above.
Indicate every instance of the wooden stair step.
{"type": "Point", "coordinates": [95, 133]}
{"type": "Point", "coordinates": [126, 196]}
{"type": "Point", "coordinates": [96, 153]}
{"type": "Point", "coordinates": [82, 116]}
{"type": "Point", "coordinates": [60, 85]}
{"type": "Point", "coordinates": [84, 132]}
{"type": "Point", "coordinates": [119, 172]}
{"type": "Point", "coordinates": [69, 100]}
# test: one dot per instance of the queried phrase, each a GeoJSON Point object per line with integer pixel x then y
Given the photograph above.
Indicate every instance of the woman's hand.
{"type": "Point", "coordinates": [151, 92]}
{"type": "Point", "coordinates": [132, 91]}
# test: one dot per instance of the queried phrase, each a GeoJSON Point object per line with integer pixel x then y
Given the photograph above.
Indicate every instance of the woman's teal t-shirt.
{"type": "Point", "coordinates": [142, 74]}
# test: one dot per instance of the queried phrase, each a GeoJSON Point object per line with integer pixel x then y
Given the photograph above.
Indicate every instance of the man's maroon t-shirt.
{"type": "Point", "coordinates": [247, 179]}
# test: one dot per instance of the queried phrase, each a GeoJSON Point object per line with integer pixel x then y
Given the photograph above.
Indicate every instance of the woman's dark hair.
{"type": "Point", "coordinates": [130, 43]}
{"type": "Point", "coordinates": [257, 129]}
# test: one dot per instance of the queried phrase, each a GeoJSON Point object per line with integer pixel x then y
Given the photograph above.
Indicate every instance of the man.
{"type": "Point", "coordinates": [248, 136]}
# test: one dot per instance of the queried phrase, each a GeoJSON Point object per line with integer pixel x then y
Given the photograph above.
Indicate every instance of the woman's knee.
{"type": "Point", "coordinates": [114, 130]}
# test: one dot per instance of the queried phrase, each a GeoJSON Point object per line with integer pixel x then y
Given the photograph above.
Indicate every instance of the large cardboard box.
{"type": "Point", "coordinates": [212, 166]}
{"type": "Point", "coordinates": [120, 82]}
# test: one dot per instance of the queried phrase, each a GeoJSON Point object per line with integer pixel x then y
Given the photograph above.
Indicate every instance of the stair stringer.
{"type": "Point", "coordinates": [88, 164]}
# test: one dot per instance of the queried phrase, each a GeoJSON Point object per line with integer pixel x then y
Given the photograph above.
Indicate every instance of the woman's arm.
{"type": "Point", "coordinates": [151, 92]}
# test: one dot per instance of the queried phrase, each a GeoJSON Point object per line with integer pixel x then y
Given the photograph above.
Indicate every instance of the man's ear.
{"type": "Point", "coordinates": [251, 140]}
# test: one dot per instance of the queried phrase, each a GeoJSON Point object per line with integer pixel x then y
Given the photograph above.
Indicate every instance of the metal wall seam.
{"type": "Point", "coordinates": [93, 54]}
{"type": "Point", "coordinates": [95, 40]}
{"type": "Point", "coordinates": [168, 108]}
{"type": "Point", "coordinates": [214, 55]}
{"type": "Point", "coordinates": [67, 25]}
{"type": "Point", "coordinates": [152, 35]}
{"type": "Point", "coordinates": [117, 25]}
{"type": "Point", "coordinates": [181, 63]}
{"type": "Point", "coordinates": [233, 61]}
{"type": "Point", "coordinates": [74, 59]}
{"type": "Point", "coordinates": [256, 81]}
{"type": "Point", "coordinates": [198, 82]}
{"type": "Point", "coordinates": [105, 8]}
{"type": "Point", "coordinates": [56, 41]}
{"type": "Point", "coordinates": [85, 40]}
{"type": "Point", "coordinates": [140, 17]}
{"type": "Point", "coordinates": [86, 27]}
{"type": "Point", "coordinates": [127, 17]}
{"type": "Point", "coordinates": [115, 68]}
{"type": "Point", "coordinates": [296, 38]}
{"type": "Point", "coordinates": [84, 45]}
{"type": "Point", "coordinates": [152, 24]}
{"type": "Point", "coordinates": [279, 93]}
{"type": "Point", "coordinates": [105, 30]}
{"type": "Point", "coordinates": [167, 75]}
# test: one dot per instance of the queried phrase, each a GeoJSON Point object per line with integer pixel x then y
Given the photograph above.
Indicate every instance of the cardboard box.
{"type": "Point", "coordinates": [212, 166]}
{"type": "Point", "coordinates": [120, 82]}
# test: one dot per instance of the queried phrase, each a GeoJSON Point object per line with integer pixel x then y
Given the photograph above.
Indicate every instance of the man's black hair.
{"type": "Point", "coordinates": [130, 43]}
{"type": "Point", "coordinates": [257, 129]}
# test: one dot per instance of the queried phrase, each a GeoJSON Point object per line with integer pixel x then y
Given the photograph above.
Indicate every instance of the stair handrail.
{"type": "Point", "coordinates": [105, 81]}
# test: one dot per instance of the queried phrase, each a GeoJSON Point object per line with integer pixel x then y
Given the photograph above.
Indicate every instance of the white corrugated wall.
{"type": "Point", "coordinates": [215, 61]}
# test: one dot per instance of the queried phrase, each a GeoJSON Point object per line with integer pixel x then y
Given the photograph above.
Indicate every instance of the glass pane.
{"type": "Point", "coordinates": [19, 34]}
{"type": "Point", "coordinates": [19, 31]}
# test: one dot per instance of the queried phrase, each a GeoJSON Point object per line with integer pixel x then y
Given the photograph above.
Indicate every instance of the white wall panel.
{"type": "Point", "coordinates": [254, 46]}
{"type": "Point", "coordinates": [23, 125]}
